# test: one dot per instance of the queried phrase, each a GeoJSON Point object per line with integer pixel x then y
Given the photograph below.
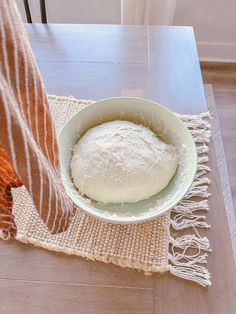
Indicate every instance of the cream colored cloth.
{"type": "Point", "coordinates": [146, 246]}
{"type": "Point", "coordinates": [147, 12]}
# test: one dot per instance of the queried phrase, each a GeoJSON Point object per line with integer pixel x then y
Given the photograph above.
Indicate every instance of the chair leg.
{"type": "Point", "coordinates": [27, 11]}
{"type": "Point", "coordinates": [43, 12]}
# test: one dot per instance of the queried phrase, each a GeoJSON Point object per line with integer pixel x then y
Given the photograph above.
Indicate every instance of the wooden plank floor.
{"type": "Point", "coordinates": [222, 76]}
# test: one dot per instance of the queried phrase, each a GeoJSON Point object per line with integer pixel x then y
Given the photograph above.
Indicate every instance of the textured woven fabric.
{"type": "Point", "coordinates": [143, 246]}
{"type": "Point", "coordinates": [28, 146]}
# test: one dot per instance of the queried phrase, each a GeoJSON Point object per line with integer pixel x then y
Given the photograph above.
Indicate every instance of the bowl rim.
{"type": "Point", "coordinates": [90, 209]}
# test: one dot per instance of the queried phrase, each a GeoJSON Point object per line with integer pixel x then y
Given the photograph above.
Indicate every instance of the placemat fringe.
{"type": "Point", "coordinates": [188, 251]}
{"type": "Point", "coordinates": [190, 271]}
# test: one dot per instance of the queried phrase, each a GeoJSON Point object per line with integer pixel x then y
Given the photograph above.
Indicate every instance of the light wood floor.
{"type": "Point", "coordinates": [223, 79]}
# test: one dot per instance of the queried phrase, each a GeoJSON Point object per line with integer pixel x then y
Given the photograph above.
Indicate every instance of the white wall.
{"type": "Point", "coordinates": [75, 11]}
{"type": "Point", "coordinates": [214, 23]}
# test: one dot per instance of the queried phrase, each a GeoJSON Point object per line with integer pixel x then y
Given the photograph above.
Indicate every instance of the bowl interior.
{"type": "Point", "coordinates": [160, 120]}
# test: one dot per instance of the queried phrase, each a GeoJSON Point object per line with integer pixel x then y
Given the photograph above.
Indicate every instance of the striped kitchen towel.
{"type": "Point", "coordinates": [28, 145]}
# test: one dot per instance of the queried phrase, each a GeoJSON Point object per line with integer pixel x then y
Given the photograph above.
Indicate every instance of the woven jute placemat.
{"type": "Point", "coordinates": [154, 246]}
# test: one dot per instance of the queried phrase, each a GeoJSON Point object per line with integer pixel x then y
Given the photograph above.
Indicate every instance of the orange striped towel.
{"type": "Point", "coordinates": [28, 146]}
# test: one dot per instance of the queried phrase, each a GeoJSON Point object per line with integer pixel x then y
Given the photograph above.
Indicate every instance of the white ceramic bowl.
{"type": "Point", "coordinates": [160, 120]}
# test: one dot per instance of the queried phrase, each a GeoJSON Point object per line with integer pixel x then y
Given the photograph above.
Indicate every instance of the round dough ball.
{"type": "Point", "coordinates": [120, 161]}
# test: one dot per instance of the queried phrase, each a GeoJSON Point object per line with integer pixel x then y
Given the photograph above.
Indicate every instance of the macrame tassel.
{"type": "Point", "coordinates": [191, 241]}
{"type": "Point", "coordinates": [202, 149]}
{"type": "Point", "coordinates": [205, 115]}
{"type": "Point", "coordinates": [178, 259]}
{"type": "Point", "coordinates": [196, 273]}
{"type": "Point", "coordinates": [200, 173]}
{"type": "Point", "coordinates": [198, 191]}
{"type": "Point", "coordinates": [202, 136]}
{"type": "Point", "coordinates": [187, 266]}
{"type": "Point", "coordinates": [203, 159]}
{"type": "Point", "coordinates": [201, 167]}
{"type": "Point", "coordinates": [197, 124]}
{"type": "Point", "coordinates": [188, 206]}
{"type": "Point", "coordinates": [201, 181]}
{"type": "Point", "coordinates": [180, 221]}
{"type": "Point", "coordinates": [197, 118]}
{"type": "Point", "coordinates": [206, 133]}
{"type": "Point", "coordinates": [185, 214]}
